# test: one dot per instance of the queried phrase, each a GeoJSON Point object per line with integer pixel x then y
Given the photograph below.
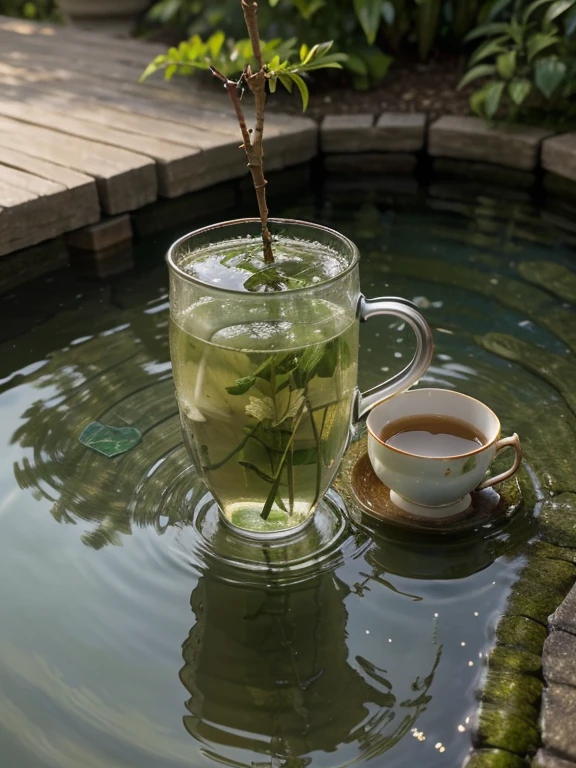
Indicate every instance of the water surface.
{"type": "Point", "coordinates": [126, 644]}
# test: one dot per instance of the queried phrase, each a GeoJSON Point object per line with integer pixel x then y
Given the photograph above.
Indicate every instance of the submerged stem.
{"type": "Point", "coordinates": [318, 447]}
{"type": "Point", "coordinates": [276, 484]}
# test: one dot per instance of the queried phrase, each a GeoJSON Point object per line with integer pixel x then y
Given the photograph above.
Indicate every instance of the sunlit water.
{"type": "Point", "coordinates": [127, 642]}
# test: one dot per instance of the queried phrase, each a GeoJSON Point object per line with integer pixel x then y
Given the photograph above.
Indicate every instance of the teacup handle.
{"type": "Point", "coordinates": [407, 311]}
{"type": "Point", "coordinates": [505, 442]}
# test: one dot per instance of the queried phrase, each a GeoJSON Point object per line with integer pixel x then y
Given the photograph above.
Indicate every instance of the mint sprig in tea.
{"type": "Point", "coordinates": [265, 387]}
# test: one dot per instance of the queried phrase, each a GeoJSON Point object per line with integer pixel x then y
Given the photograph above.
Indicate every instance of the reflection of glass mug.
{"type": "Point", "coordinates": [266, 382]}
{"type": "Point", "coordinates": [267, 671]}
{"type": "Point", "coordinates": [437, 485]}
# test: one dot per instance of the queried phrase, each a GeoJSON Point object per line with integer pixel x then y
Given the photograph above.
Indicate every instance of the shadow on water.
{"type": "Point", "coordinates": [376, 646]}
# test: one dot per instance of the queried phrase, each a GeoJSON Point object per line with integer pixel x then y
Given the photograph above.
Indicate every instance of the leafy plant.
{"type": "Point", "coordinates": [231, 58]}
{"type": "Point", "coordinates": [259, 65]}
{"type": "Point", "coordinates": [529, 55]}
{"type": "Point", "coordinates": [35, 10]}
{"type": "Point", "coordinates": [368, 31]}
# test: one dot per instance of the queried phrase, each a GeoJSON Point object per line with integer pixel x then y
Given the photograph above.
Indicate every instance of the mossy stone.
{"type": "Point", "coordinates": [558, 520]}
{"type": "Point", "coordinates": [542, 586]}
{"type": "Point", "coordinates": [514, 660]}
{"type": "Point", "coordinates": [552, 552]}
{"type": "Point", "coordinates": [502, 728]}
{"type": "Point", "coordinates": [494, 758]}
{"type": "Point", "coordinates": [522, 633]}
{"type": "Point", "coordinates": [557, 371]}
{"type": "Point", "coordinates": [556, 278]}
{"type": "Point", "coordinates": [512, 689]}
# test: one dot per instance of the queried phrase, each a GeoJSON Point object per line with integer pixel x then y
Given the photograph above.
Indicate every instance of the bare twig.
{"type": "Point", "coordinates": [254, 154]}
{"type": "Point", "coordinates": [250, 9]}
{"type": "Point", "coordinates": [254, 146]}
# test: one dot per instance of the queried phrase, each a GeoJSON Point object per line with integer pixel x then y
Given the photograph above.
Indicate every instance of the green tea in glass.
{"type": "Point", "coordinates": [265, 360]}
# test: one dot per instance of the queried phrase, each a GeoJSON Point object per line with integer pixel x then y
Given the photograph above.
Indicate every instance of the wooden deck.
{"type": "Point", "coordinates": [81, 138]}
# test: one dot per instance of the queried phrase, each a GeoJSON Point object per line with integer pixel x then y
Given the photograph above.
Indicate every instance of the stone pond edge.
{"type": "Point", "coordinates": [387, 143]}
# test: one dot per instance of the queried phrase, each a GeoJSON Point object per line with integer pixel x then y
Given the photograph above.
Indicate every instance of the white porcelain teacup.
{"type": "Point", "coordinates": [437, 486]}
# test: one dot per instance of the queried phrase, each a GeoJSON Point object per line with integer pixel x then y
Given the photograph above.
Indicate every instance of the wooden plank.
{"type": "Point", "coordinates": [210, 111]}
{"type": "Point", "coordinates": [124, 179]}
{"type": "Point", "coordinates": [192, 107]}
{"type": "Point", "coordinates": [105, 63]}
{"type": "Point", "coordinates": [33, 209]}
{"type": "Point", "coordinates": [58, 32]}
{"type": "Point", "coordinates": [178, 167]}
{"type": "Point", "coordinates": [177, 171]}
{"type": "Point", "coordinates": [74, 123]}
{"type": "Point", "coordinates": [45, 170]}
{"type": "Point", "coordinates": [79, 205]}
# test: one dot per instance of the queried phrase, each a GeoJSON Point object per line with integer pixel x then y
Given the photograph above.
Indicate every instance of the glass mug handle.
{"type": "Point", "coordinates": [404, 310]}
{"type": "Point", "coordinates": [505, 442]}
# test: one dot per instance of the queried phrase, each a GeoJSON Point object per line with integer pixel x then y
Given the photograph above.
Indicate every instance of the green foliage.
{"type": "Point", "coordinates": [525, 44]}
{"type": "Point", "coordinates": [230, 59]}
{"type": "Point", "coordinates": [35, 10]}
{"type": "Point", "coordinates": [369, 31]}
{"type": "Point", "coordinates": [526, 55]}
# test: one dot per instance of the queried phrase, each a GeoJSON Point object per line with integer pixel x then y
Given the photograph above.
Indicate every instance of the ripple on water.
{"type": "Point", "coordinates": [139, 633]}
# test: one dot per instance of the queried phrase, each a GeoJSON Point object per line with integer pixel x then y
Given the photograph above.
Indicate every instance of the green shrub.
{"type": "Point", "coordinates": [370, 32]}
{"type": "Point", "coordinates": [527, 57]}
{"type": "Point", "coordinates": [36, 10]}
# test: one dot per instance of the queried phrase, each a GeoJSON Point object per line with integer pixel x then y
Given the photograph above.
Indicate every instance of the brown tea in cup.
{"type": "Point", "coordinates": [436, 436]}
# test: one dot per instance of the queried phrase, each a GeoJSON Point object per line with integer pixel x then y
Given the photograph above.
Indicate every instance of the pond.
{"type": "Point", "coordinates": [129, 641]}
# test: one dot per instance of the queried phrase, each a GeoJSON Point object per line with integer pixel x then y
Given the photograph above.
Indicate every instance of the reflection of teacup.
{"type": "Point", "coordinates": [417, 461]}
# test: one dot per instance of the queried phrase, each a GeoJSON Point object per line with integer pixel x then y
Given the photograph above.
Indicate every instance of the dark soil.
{"type": "Point", "coordinates": [408, 87]}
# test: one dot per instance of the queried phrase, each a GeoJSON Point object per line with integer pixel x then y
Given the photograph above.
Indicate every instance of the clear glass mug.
{"type": "Point", "coordinates": [266, 382]}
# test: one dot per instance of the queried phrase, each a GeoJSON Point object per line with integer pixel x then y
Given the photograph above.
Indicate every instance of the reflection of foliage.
{"type": "Point", "coordinates": [113, 378]}
{"type": "Point", "coordinates": [269, 672]}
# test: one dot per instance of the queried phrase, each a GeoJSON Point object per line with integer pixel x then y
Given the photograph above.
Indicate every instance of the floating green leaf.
{"type": "Point", "coordinates": [109, 441]}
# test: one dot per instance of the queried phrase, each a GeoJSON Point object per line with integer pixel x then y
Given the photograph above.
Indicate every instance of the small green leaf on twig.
{"type": "Point", "coordinates": [303, 88]}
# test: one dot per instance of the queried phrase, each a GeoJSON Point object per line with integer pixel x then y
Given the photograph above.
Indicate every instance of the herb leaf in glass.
{"type": "Point", "coordinates": [265, 362]}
